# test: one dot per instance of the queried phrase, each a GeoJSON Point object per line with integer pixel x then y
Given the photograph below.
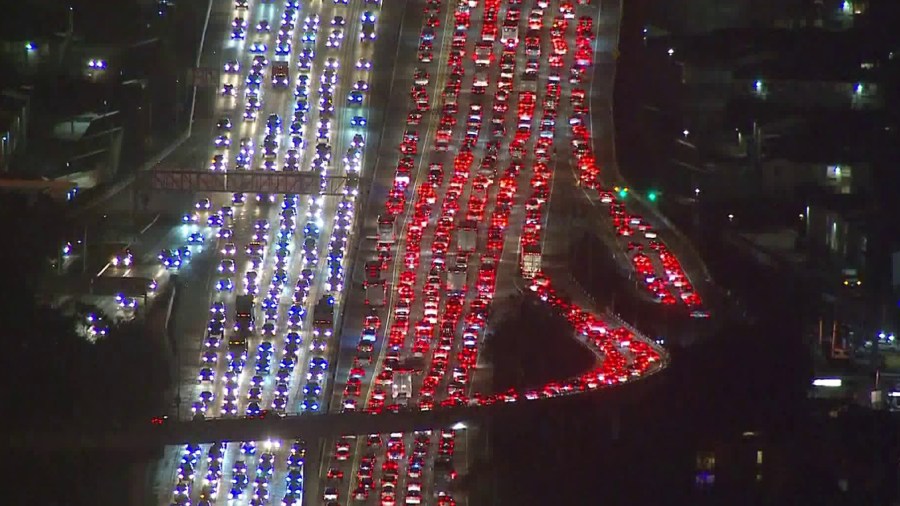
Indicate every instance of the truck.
{"type": "Point", "coordinates": [479, 85]}
{"type": "Point", "coordinates": [466, 236]}
{"type": "Point", "coordinates": [376, 293]}
{"type": "Point", "coordinates": [456, 280]}
{"type": "Point", "coordinates": [373, 271]}
{"type": "Point", "coordinates": [386, 233]}
{"type": "Point", "coordinates": [243, 324]}
{"type": "Point", "coordinates": [281, 74]}
{"type": "Point", "coordinates": [483, 53]}
{"type": "Point", "coordinates": [509, 34]}
{"type": "Point", "coordinates": [401, 388]}
{"type": "Point", "coordinates": [529, 260]}
{"type": "Point", "coordinates": [323, 317]}
{"type": "Point", "coordinates": [528, 81]}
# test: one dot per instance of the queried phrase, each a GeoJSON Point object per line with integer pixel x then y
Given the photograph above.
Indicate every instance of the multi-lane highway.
{"type": "Point", "coordinates": [379, 302]}
{"type": "Point", "coordinates": [294, 96]}
{"type": "Point", "coordinates": [452, 228]}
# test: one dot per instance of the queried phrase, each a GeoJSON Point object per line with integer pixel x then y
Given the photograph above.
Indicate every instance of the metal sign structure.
{"type": "Point", "coordinates": [250, 181]}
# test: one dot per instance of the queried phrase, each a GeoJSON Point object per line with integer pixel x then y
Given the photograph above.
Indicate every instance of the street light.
{"type": "Point", "coordinates": [30, 46]}
{"type": "Point", "coordinates": [730, 217]}
{"type": "Point", "coordinates": [685, 132]}
{"type": "Point", "coordinates": [696, 192]}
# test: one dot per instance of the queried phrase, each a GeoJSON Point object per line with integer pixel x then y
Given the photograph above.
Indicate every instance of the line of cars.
{"type": "Point", "coordinates": [663, 276]}
{"type": "Point", "coordinates": [623, 355]}
{"type": "Point", "coordinates": [267, 359]}
{"type": "Point", "coordinates": [444, 309]}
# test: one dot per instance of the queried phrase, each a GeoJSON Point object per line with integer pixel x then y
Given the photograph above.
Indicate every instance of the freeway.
{"type": "Point", "coordinates": [309, 120]}
{"type": "Point", "coordinates": [444, 267]}
{"type": "Point", "coordinates": [441, 273]}
{"type": "Point", "coordinates": [679, 274]}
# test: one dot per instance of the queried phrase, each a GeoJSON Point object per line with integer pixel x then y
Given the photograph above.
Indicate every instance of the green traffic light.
{"type": "Point", "coordinates": [651, 196]}
{"type": "Point", "coordinates": [623, 193]}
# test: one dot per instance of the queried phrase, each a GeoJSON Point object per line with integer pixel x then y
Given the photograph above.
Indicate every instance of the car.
{"type": "Point", "coordinates": [207, 375]}
{"type": "Point", "coordinates": [263, 26]}
{"type": "Point", "coordinates": [358, 121]}
{"type": "Point", "coordinates": [310, 404]}
{"type": "Point", "coordinates": [224, 285]}
{"type": "Point", "coordinates": [283, 49]}
{"type": "Point", "coordinates": [355, 97]}
{"type": "Point", "coordinates": [258, 47]}
{"type": "Point", "coordinates": [232, 67]}
{"type": "Point", "coordinates": [312, 388]}
{"type": "Point", "coordinates": [226, 265]}
{"type": "Point", "coordinates": [335, 38]}
{"type": "Point", "coordinates": [364, 64]}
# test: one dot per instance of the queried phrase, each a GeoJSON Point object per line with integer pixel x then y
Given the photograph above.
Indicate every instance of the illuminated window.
{"type": "Point", "coordinates": [759, 457]}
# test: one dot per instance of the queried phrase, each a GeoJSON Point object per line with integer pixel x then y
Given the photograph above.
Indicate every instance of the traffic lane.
{"type": "Point", "coordinates": [197, 284]}
{"type": "Point", "coordinates": [192, 318]}
{"type": "Point", "coordinates": [237, 233]}
{"type": "Point", "coordinates": [278, 105]}
{"type": "Point", "coordinates": [438, 85]}
{"type": "Point", "coordinates": [382, 177]}
{"type": "Point", "coordinates": [397, 47]}
{"type": "Point", "coordinates": [603, 139]}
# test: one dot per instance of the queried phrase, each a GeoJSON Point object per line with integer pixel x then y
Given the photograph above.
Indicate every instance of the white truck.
{"type": "Point", "coordinates": [456, 280]}
{"type": "Point", "coordinates": [386, 232]}
{"type": "Point", "coordinates": [509, 34]}
{"type": "Point", "coordinates": [466, 236]}
{"type": "Point", "coordinates": [401, 388]}
{"type": "Point", "coordinates": [483, 52]}
{"type": "Point", "coordinates": [479, 85]}
{"type": "Point", "coordinates": [530, 260]}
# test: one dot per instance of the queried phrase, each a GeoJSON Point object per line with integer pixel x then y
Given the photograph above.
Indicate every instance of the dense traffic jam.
{"type": "Point", "coordinates": [656, 266]}
{"type": "Point", "coordinates": [485, 102]}
{"type": "Point", "coordinates": [280, 261]}
{"type": "Point", "coordinates": [455, 188]}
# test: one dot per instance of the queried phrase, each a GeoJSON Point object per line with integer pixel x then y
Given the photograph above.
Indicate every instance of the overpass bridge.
{"type": "Point", "coordinates": [309, 427]}
{"type": "Point", "coordinates": [246, 181]}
